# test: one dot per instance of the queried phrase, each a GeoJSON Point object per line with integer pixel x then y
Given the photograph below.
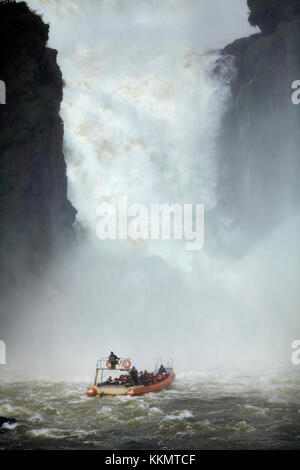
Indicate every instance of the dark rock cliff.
{"type": "Point", "coordinates": [35, 214]}
{"type": "Point", "coordinates": [260, 140]}
{"type": "Point", "coordinates": [268, 14]}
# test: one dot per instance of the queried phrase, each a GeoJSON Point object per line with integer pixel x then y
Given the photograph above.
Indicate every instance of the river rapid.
{"type": "Point", "coordinates": [199, 411]}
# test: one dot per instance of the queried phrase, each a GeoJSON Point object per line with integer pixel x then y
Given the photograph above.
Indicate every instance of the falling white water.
{"type": "Point", "coordinates": [142, 112]}
{"type": "Point", "coordinates": [141, 108]}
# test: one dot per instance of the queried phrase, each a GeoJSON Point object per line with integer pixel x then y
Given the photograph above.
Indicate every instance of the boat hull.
{"type": "Point", "coordinates": [142, 390]}
{"type": "Point", "coordinates": [111, 390]}
{"type": "Point", "coordinates": [119, 390]}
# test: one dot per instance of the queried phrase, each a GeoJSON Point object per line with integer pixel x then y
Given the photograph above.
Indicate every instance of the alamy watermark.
{"type": "Point", "coordinates": [2, 353]}
{"type": "Point", "coordinates": [2, 92]}
{"type": "Point", "coordinates": [296, 354]}
{"type": "Point", "coordinates": [296, 94]}
{"type": "Point", "coordinates": [295, 358]}
{"type": "Point", "coordinates": [160, 221]}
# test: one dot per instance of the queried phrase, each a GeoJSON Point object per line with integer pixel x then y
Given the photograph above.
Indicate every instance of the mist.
{"type": "Point", "coordinates": [142, 111]}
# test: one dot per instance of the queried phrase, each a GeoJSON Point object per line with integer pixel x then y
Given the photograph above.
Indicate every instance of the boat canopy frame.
{"type": "Point", "coordinates": [102, 365]}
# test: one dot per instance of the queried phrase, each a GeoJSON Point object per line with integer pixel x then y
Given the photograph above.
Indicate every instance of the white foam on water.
{"type": "Point", "coordinates": [180, 415]}
{"type": "Point", "coordinates": [9, 426]}
{"type": "Point", "coordinates": [45, 433]}
{"type": "Point", "coordinates": [36, 418]}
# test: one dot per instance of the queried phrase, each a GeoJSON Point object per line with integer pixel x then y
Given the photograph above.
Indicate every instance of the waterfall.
{"type": "Point", "coordinates": [142, 110]}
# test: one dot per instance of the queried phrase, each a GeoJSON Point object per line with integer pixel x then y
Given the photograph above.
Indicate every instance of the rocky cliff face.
{"type": "Point", "coordinates": [268, 14]}
{"type": "Point", "coordinates": [260, 141]}
{"type": "Point", "coordinates": [35, 213]}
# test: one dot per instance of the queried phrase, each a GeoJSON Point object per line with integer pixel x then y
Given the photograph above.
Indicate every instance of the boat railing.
{"type": "Point", "coordinates": [168, 365]}
{"type": "Point", "coordinates": [123, 364]}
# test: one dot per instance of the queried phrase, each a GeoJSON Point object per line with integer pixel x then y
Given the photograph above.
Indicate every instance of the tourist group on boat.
{"type": "Point", "coordinates": [138, 378]}
{"type": "Point", "coordinates": [131, 382]}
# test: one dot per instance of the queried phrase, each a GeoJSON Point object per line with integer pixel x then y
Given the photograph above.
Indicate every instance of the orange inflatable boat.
{"type": "Point", "coordinates": [131, 382]}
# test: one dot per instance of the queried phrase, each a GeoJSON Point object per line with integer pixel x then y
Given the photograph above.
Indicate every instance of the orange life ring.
{"type": "Point", "coordinates": [108, 365]}
{"type": "Point", "coordinates": [126, 364]}
{"type": "Point", "coordinates": [91, 392]}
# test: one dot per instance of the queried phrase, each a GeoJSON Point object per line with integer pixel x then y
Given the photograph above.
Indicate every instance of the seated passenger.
{"type": "Point", "coordinates": [146, 374]}
{"type": "Point", "coordinates": [134, 375]}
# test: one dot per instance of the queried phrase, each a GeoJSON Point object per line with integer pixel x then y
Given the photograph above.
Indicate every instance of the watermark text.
{"type": "Point", "coordinates": [2, 352]}
{"type": "Point", "coordinates": [2, 92]}
{"type": "Point", "coordinates": [161, 221]}
{"type": "Point", "coordinates": [296, 94]}
{"type": "Point", "coordinates": [296, 354]}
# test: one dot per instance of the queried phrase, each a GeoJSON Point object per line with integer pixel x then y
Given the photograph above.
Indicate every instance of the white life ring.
{"type": "Point", "coordinates": [126, 364]}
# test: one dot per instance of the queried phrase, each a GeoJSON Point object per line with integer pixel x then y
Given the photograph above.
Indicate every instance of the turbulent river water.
{"type": "Point", "coordinates": [199, 411]}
